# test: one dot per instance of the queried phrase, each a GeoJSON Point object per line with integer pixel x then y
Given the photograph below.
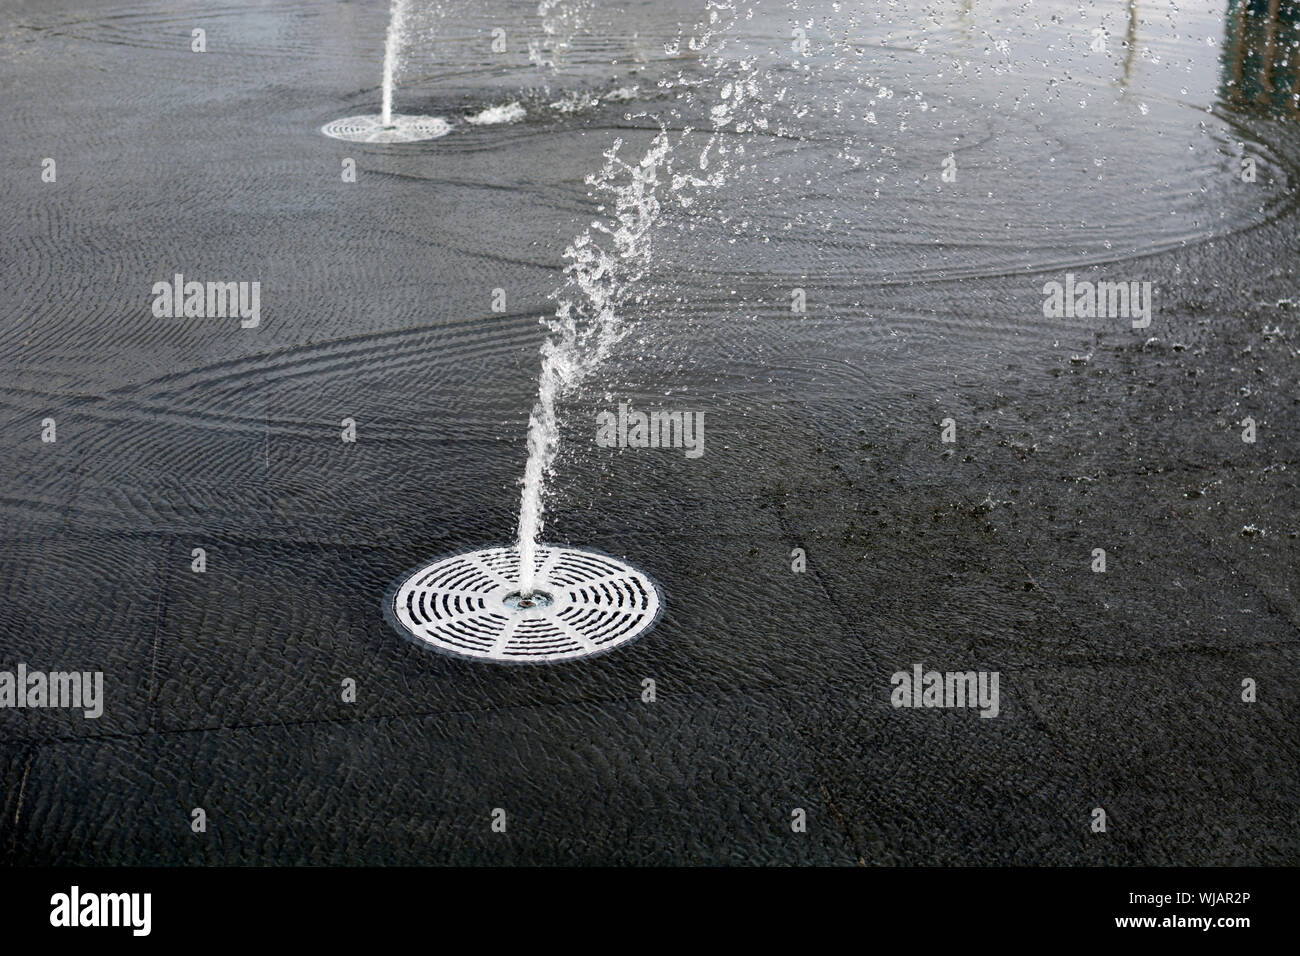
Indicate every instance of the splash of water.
{"type": "Point", "coordinates": [560, 20]}
{"type": "Point", "coordinates": [392, 56]}
{"type": "Point", "coordinates": [511, 112]}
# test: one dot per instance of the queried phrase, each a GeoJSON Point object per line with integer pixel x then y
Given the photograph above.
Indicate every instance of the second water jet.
{"type": "Point", "coordinates": [389, 127]}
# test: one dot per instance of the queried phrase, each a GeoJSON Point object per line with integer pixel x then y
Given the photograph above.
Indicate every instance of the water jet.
{"type": "Point", "coordinates": [534, 601]}
{"type": "Point", "coordinates": [389, 127]}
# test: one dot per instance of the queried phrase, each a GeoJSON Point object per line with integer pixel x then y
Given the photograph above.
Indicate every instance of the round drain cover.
{"type": "Point", "coordinates": [401, 129]}
{"type": "Point", "coordinates": [469, 605]}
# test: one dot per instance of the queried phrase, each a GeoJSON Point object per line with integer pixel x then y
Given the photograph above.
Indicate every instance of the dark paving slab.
{"type": "Point", "coordinates": [65, 607]}
{"type": "Point", "coordinates": [1165, 587]}
{"type": "Point", "coordinates": [1187, 772]}
{"type": "Point", "coordinates": [683, 780]}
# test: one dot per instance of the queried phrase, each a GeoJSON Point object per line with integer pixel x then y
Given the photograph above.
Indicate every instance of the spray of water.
{"type": "Point", "coordinates": [560, 20]}
{"type": "Point", "coordinates": [604, 265]}
{"type": "Point", "coordinates": [392, 56]}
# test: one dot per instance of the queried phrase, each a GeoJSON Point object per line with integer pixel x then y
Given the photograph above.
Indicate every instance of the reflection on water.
{"type": "Point", "coordinates": [1261, 43]}
{"type": "Point", "coordinates": [1130, 43]}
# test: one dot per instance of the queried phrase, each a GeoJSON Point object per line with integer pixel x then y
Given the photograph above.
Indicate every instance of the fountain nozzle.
{"type": "Point", "coordinates": [519, 601]}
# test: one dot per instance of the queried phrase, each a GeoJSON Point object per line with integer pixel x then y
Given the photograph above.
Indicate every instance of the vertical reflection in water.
{"type": "Point", "coordinates": [1130, 43]}
{"type": "Point", "coordinates": [964, 20]}
{"type": "Point", "coordinates": [1270, 44]}
{"type": "Point", "coordinates": [1260, 51]}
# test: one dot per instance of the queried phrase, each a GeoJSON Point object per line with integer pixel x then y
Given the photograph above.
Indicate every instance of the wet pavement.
{"type": "Point", "coordinates": [772, 687]}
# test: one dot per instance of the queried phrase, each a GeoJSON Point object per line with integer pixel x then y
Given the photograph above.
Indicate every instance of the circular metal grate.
{"type": "Point", "coordinates": [469, 605]}
{"type": "Point", "coordinates": [371, 129]}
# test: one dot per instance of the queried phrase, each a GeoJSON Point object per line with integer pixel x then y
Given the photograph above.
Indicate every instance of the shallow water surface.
{"type": "Point", "coordinates": [409, 302]}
